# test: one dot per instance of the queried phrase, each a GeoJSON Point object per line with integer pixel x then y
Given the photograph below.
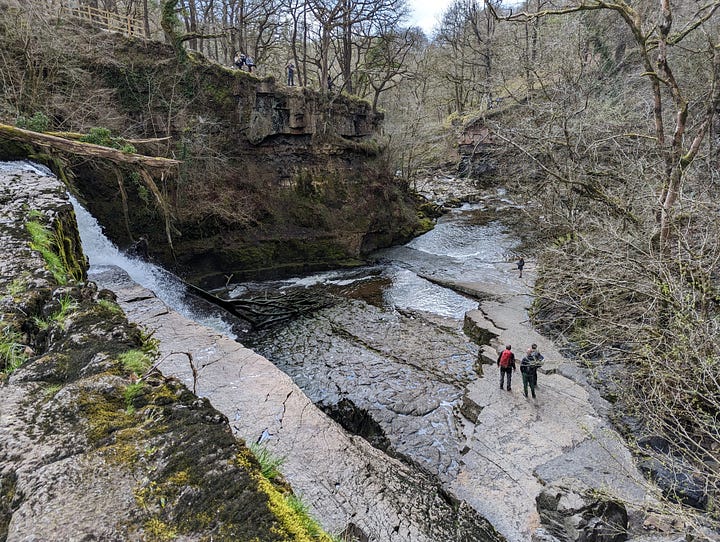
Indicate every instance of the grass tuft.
{"type": "Point", "coordinates": [269, 463]}
{"type": "Point", "coordinates": [135, 361]}
{"type": "Point", "coordinates": [43, 241]}
{"type": "Point", "coordinates": [12, 351]}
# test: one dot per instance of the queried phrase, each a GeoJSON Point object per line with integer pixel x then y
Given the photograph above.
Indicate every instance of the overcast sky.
{"type": "Point", "coordinates": [426, 13]}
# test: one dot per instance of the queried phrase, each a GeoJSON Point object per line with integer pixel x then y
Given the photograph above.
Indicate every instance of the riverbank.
{"type": "Point", "coordinates": [551, 466]}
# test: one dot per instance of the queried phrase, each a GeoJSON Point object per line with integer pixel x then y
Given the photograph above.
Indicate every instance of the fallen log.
{"type": "Point", "coordinates": [80, 148]}
{"type": "Point", "coordinates": [149, 167]}
{"type": "Point", "coordinates": [79, 135]}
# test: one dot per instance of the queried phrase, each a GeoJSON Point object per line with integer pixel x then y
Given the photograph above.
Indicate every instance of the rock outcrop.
{"type": "Point", "coordinates": [95, 444]}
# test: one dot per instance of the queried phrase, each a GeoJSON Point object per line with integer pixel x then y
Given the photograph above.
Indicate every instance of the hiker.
{"type": "Point", "coordinates": [330, 83]}
{"type": "Point", "coordinates": [529, 366]}
{"type": "Point", "coordinates": [506, 362]}
{"type": "Point", "coordinates": [520, 265]}
{"type": "Point", "coordinates": [290, 67]}
{"type": "Point", "coordinates": [250, 63]}
{"type": "Point", "coordinates": [239, 60]}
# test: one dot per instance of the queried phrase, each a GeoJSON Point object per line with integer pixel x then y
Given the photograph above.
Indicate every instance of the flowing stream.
{"type": "Point", "coordinates": [383, 352]}
{"type": "Point", "coordinates": [102, 253]}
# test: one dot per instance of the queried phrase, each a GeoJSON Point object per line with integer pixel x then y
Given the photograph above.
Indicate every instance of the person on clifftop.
{"type": "Point", "coordinates": [290, 67]}
{"type": "Point", "coordinates": [239, 60]}
{"type": "Point", "coordinates": [506, 362]}
{"type": "Point", "coordinates": [529, 366]}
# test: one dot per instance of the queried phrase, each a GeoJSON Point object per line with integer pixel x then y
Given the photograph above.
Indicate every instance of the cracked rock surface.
{"type": "Point", "coordinates": [349, 484]}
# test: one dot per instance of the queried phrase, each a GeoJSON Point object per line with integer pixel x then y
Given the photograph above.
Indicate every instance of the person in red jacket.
{"type": "Point", "coordinates": [506, 362]}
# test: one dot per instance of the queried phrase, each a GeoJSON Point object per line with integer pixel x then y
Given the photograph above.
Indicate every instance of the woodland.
{"type": "Point", "coordinates": [604, 118]}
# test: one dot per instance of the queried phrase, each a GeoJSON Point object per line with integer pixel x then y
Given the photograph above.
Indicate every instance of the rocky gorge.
{"type": "Point", "coordinates": [224, 173]}
{"type": "Point", "coordinates": [389, 422]}
{"type": "Point", "coordinates": [547, 470]}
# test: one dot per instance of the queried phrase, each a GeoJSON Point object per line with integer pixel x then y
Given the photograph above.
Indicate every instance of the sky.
{"type": "Point", "coordinates": [426, 13]}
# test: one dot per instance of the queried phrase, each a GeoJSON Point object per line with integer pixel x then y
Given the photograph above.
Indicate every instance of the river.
{"type": "Point", "coordinates": [382, 349]}
{"type": "Point", "coordinates": [383, 352]}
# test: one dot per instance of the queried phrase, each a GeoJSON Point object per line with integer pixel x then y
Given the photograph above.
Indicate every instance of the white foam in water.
{"type": "Point", "coordinates": [24, 165]}
{"type": "Point", "coordinates": [412, 292]}
{"type": "Point", "coordinates": [103, 253]}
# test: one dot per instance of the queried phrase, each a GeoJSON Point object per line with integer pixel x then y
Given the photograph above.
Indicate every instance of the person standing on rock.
{"type": "Point", "coordinates": [506, 362]}
{"type": "Point", "coordinates": [239, 60]}
{"type": "Point", "coordinates": [529, 366]}
{"type": "Point", "coordinates": [290, 68]}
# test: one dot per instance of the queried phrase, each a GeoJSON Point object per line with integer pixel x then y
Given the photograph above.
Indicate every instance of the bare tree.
{"type": "Point", "coordinates": [385, 62]}
{"type": "Point", "coordinates": [656, 44]}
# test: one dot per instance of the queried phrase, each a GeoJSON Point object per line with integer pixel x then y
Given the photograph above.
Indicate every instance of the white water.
{"type": "Point", "coordinates": [102, 254]}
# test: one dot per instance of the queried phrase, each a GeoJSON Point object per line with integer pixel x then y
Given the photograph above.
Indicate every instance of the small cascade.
{"type": "Point", "coordinates": [102, 253]}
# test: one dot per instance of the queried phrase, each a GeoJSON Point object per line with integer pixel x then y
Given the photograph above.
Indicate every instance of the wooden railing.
{"type": "Point", "coordinates": [112, 22]}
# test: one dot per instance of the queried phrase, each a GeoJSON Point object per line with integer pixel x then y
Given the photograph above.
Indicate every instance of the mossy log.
{"type": "Point", "coordinates": [146, 166]}
{"type": "Point", "coordinates": [79, 135]}
{"type": "Point", "coordinates": [87, 149]}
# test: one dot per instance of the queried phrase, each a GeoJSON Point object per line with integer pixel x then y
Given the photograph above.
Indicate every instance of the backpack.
{"type": "Point", "coordinates": [505, 358]}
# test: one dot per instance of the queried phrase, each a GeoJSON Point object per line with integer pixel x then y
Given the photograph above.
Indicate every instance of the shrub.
{"type": "Point", "coordinates": [39, 122]}
{"type": "Point", "coordinates": [104, 137]}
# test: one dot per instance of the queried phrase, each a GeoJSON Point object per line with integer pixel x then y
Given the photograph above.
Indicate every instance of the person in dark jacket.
{"type": "Point", "coordinates": [506, 362]}
{"type": "Point", "coordinates": [290, 68]}
{"type": "Point", "coordinates": [529, 366]}
{"type": "Point", "coordinates": [239, 60]}
{"type": "Point", "coordinates": [521, 264]}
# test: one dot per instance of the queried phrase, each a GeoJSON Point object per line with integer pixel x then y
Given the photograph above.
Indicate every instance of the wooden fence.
{"type": "Point", "coordinates": [112, 22]}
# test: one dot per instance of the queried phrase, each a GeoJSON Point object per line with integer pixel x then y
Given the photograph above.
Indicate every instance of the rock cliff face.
{"type": "Point", "coordinates": [273, 179]}
{"type": "Point", "coordinates": [94, 443]}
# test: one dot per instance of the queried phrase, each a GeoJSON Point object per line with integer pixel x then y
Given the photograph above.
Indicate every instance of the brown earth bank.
{"type": "Point", "coordinates": [272, 180]}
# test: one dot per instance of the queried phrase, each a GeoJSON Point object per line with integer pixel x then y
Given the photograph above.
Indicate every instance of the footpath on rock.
{"type": "Point", "coordinates": [550, 468]}
{"type": "Point", "coordinates": [557, 445]}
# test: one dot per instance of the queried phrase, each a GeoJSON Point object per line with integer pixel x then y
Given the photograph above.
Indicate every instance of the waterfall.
{"type": "Point", "coordinates": [102, 253]}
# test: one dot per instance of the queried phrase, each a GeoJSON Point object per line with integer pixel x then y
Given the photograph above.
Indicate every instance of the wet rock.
{"type": "Point", "coordinates": [358, 422]}
{"type": "Point", "coordinates": [367, 493]}
{"type": "Point", "coordinates": [93, 447]}
{"type": "Point", "coordinates": [487, 355]}
{"type": "Point", "coordinates": [573, 513]}
{"type": "Point", "coordinates": [406, 371]}
{"type": "Point", "coordinates": [470, 409]}
{"type": "Point", "coordinates": [479, 329]}
{"type": "Point", "coordinates": [668, 470]}
{"type": "Point", "coordinates": [676, 480]}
